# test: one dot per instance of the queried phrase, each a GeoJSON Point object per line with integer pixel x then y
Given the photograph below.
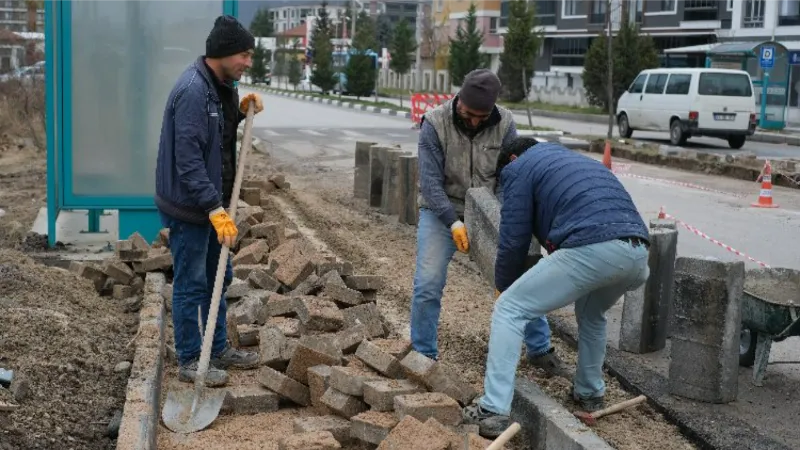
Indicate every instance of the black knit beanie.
{"type": "Point", "coordinates": [228, 37]}
{"type": "Point", "coordinates": [479, 90]}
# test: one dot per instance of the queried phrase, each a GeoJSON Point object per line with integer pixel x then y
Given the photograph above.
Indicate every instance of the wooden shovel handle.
{"type": "Point", "coordinates": [505, 437]}
{"type": "Point", "coordinates": [619, 406]}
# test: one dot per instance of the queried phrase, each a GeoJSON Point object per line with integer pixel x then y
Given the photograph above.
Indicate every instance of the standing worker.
{"type": "Point", "coordinates": [597, 248]}
{"type": "Point", "coordinates": [194, 182]}
{"type": "Point", "coordinates": [459, 143]}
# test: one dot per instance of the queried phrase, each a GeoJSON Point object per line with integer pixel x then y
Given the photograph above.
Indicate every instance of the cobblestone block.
{"type": "Point", "coordinates": [312, 351]}
{"type": "Point", "coordinates": [317, 440]}
{"type": "Point", "coordinates": [284, 386]}
{"type": "Point", "coordinates": [342, 404]}
{"type": "Point", "coordinates": [366, 314]}
{"type": "Point", "coordinates": [380, 394]}
{"type": "Point", "coordinates": [364, 282]}
{"type": "Point", "coordinates": [339, 427]}
{"type": "Point", "coordinates": [379, 359]}
{"type": "Point", "coordinates": [250, 399]}
{"type": "Point", "coordinates": [350, 380]}
{"type": "Point", "coordinates": [252, 254]}
{"type": "Point", "coordinates": [318, 382]}
{"type": "Point", "coordinates": [426, 405]}
{"type": "Point", "coordinates": [411, 434]}
{"type": "Point", "coordinates": [372, 426]}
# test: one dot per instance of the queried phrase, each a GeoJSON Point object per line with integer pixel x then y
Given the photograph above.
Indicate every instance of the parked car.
{"type": "Point", "coordinates": [266, 79]}
{"type": "Point", "coordinates": [690, 102]}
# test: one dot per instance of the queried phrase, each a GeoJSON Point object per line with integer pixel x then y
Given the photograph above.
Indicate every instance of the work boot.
{"type": "Point", "coordinates": [588, 404]}
{"type": "Point", "coordinates": [236, 359]}
{"type": "Point", "coordinates": [490, 425]}
{"type": "Point", "coordinates": [550, 363]}
{"type": "Point", "coordinates": [214, 377]}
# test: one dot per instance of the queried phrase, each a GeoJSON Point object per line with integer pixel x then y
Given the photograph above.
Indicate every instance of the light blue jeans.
{"type": "Point", "coordinates": [435, 249]}
{"type": "Point", "coordinates": [593, 277]}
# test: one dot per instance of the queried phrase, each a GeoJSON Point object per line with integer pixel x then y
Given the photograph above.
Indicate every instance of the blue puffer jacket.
{"type": "Point", "coordinates": [189, 165]}
{"type": "Point", "coordinates": [563, 199]}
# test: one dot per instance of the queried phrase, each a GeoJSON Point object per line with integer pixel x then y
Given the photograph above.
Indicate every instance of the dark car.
{"type": "Point", "coordinates": [266, 79]}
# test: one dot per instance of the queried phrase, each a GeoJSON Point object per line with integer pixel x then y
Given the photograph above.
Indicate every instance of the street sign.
{"type": "Point", "coordinates": [794, 58]}
{"type": "Point", "coordinates": [767, 57]}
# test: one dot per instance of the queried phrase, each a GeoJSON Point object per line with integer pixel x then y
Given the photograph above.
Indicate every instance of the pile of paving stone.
{"type": "Point", "coordinates": [321, 339]}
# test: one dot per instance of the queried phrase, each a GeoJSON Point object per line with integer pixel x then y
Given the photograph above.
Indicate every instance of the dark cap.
{"type": "Point", "coordinates": [479, 90]}
{"type": "Point", "coordinates": [228, 37]}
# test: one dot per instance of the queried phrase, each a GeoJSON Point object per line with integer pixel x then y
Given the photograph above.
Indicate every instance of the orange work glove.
{"type": "Point", "coordinates": [496, 294]}
{"type": "Point", "coordinates": [459, 231]}
{"type": "Point", "coordinates": [258, 106]}
{"type": "Point", "coordinates": [224, 226]}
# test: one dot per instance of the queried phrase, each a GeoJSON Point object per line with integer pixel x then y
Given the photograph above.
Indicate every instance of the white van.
{"type": "Point", "coordinates": [690, 102]}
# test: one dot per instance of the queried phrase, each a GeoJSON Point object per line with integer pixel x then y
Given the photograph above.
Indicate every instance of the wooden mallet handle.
{"type": "Point", "coordinates": [619, 406]}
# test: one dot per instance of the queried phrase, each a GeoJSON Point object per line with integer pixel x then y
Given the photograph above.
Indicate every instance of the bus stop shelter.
{"type": "Point", "coordinates": [109, 69]}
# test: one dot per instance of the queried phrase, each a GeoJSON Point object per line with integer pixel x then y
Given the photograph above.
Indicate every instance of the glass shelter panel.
{"type": "Point", "coordinates": [125, 58]}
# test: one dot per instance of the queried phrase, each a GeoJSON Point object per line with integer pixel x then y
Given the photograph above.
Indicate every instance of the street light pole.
{"type": "Point", "coordinates": [418, 77]}
{"type": "Point", "coordinates": [353, 20]}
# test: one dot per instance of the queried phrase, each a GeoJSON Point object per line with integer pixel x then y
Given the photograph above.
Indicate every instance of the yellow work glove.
{"type": "Point", "coordinates": [496, 294]}
{"type": "Point", "coordinates": [226, 229]}
{"type": "Point", "coordinates": [258, 106]}
{"type": "Point", "coordinates": [459, 231]}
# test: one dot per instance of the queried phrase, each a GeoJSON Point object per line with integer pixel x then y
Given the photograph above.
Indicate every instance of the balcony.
{"type": "Point", "coordinates": [546, 20]}
{"type": "Point", "coordinates": [597, 18]}
{"type": "Point", "coordinates": [789, 21]}
{"type": "Point", "coordinates": [700, 10]}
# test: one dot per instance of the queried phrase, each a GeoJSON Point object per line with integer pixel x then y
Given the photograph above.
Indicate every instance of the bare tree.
{"type": "Point", "coordinates": [434, 40]}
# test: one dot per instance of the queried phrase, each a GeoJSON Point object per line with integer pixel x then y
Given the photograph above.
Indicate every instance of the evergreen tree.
{"type": "Point", "coordinates": [261, 26]}
{"type": "Point", "coordinates": [632, 53]}
{"type": "Point", "coordinates": [383, 32]}
{"type": "Point", "coordinates": [295, 70]}
{"type": "Point", "coordinates": [360, 71]}
{"type": "Point", "coordinates": [520, 48]}
{"type": "Point", "coordinates": [322, 74]}
{"type": "Point", "coordinates": [465, 55]}
{"type": "Point", "coordinates": [402, 45]}
{"type": "Point", "coordinates": [259, 68]}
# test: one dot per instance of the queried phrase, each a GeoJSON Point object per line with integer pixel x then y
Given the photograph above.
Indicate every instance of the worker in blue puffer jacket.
{"type": "Point", "coordinates": [597, 246]}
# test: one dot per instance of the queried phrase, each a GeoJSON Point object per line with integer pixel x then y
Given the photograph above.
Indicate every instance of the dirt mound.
{"type": "Point", "coordinates": [64, 340]}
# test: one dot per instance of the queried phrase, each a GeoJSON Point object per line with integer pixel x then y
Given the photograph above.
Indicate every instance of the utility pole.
{"type": "Point", "coordinates": [418, 76]}
{"type": "Point", "coordinates": [352, 21]}
{"type": "Point", "coordinates": [610, 84]}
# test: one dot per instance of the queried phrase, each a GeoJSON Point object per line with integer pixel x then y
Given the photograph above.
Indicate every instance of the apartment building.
{"type": "Point", "coordinates": [14, 16]}
{"type": "Point", "coordinates": [288, 17]}
{"type": "Point", "coordinates": [449, 14]}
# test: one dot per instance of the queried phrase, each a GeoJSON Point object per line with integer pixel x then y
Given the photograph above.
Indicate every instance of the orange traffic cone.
{"type": "Point", "coordinates": [661, 214]}
{"type": "Point", "coordinates": [607, 154]}
{"type": "Point", "coordinates": [765, 196]}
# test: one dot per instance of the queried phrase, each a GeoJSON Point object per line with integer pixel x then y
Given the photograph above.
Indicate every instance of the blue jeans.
{"type": "Point", "coordinates": [593, 277]}
{"type": "Point", "coordinates": [435, 249]}
{"type": "Point", "coordinates": [195, 255]}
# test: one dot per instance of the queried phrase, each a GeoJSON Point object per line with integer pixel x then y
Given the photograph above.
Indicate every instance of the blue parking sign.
{"type": "Point", "coordinates": [794, 58]}
{"type": "Point", "coordinates": [767, 57]}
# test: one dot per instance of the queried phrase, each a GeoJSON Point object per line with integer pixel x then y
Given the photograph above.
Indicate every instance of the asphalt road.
{"type": "Point", "coordinates": [324, 135]}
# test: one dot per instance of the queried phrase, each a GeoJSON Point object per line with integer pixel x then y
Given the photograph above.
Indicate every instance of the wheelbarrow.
{"type": "Point", "coordinates": [770, 313]}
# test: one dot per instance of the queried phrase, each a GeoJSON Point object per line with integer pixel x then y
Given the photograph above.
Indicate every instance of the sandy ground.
{"type": "Point", "coordinates": [56, 333]}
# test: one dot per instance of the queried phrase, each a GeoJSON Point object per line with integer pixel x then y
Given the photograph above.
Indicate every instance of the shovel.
{"type": "Point", "coordinates": [188, 411]}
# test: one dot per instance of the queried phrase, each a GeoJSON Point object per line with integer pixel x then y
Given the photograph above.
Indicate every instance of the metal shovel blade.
{"type": "Point", "coordinates": [182, 415]}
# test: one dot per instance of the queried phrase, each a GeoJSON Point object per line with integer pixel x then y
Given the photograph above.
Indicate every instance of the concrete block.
{"type": "Point", "coordinates": [237, 289]}
{"type": "Point", "coordinates": [248, 335]}
{"type": "Point", "coordinates": [380, 394]}
{"type": "Point", "coordinates": [366, 314]}
{"type": "Point", "coordinates": [364, 282]}
{"type": "Point", "coordinates": [390, 193]}
{"type": "Point", "coordinates": [248, 310]}
{"type": "Point", "coordinates": [342, 404]}
{"type": "Point", "coordinates": [310, 286]}
{"type": "Point", "coordinates": [280, 305]}
{"type": "Point", "coordinates": [288, 326]}
{"type": "Point", "coordinates": [350, 380]}
{"type": "Point", "coordinates": [242, 271]}
{"type": "Point", "coordinates": [350, 338]}
{"type": "Point", "coordinates": [647, 310]}
{"type": "Point", "coordinates": [294, 265]}
{"type": "Point", "coordinates": [318, 382]}
{"type": "Point", "coordinates": [361, 179]}
{"type": "Point", "coordinates": [255, 212]}
{"type": "Point", "coordinates": [252, 254]}
{"type": "Point", "coordinates": [437, 377]}
{"type": "Point", "coordinates": [670, 224]}
{"type": "Point", "coordinates": [372, 426]}
{"type": "Point", "coordinates": [705, 329]}
{"type": "Point", "coordinates": [428, 405]}
{"type": "Point", "coordinates": [339, 427]}
{"type": "Point", "coordinates": [271, 343]}
{"type": "Point", "coordinates": [458, 441]}
{"type": "Point", "coordinates": [249, 399]}
{"type": "Point", "coordinates": [263, 279]}
{"type": "Point", "coordinates": [321, 314]}
{"type": "Point", "coordinates": [316, 440]}
{"type": "Point", "coordinates": [377, 161]}
{"type": "Point", "coordinates": [408, 209]}
{"type": "Point", "coordinates": [546, 424]}
{"type": "Point", "coordinates": [119, 271]}
{"type": "Point", "coordinates": [284, 386]}
{"type": "Point", "coordinates": [126, 252]}
{"type": "Point", "coordinates": [411, 434]}
{"type": "Point", "coordinates": [251, 196]}
{"type": "Point", "coordinates": [157, 259]}
{"type": "Point", "coordinates": [482, 218]}
{"type": "Point", "coordinates": [232, 329]}
{"type": "Point", "coordinates": [274, 233]}
{"type": "Point", "coordinates": [91, 273]}
{"type": "Point", "coordinates": [312, 351]}
{"type": "Point", "coordinates": [379, 359]}
{"type": "Point", "coordinates": [121, 291]}
{"type": "Point", "coordinates": [343, 295]}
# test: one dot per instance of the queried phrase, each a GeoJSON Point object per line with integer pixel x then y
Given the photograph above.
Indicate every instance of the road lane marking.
{"type": "Point", "coordinates": [312, 132]}
{"type": "Point", "coordinates": [271, 133]}
{"type": "Point", "coordinates": [352, 133]}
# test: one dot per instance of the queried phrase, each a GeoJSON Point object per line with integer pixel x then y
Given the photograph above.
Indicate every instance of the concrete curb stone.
{"type": "Point", "coordinates": [141, 411]}
{"type": "Point", "coordinates": [708, 427]}
{"type": "Point", "coordinates": [333, 102]}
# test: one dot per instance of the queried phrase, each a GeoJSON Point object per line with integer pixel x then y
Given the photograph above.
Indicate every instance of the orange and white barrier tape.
{"type": "Point", "coordinates": [678, 183]}
{"type": "Point", "coordinates": [421, 103]}
{"type": "Point", "coordinates": [664, 215]}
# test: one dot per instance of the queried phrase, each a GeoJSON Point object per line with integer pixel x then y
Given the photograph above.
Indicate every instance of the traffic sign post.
{"type": "Point", "coordinates": [767, 57]}
{"type": "Point", "coordinates": [767, 62]}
